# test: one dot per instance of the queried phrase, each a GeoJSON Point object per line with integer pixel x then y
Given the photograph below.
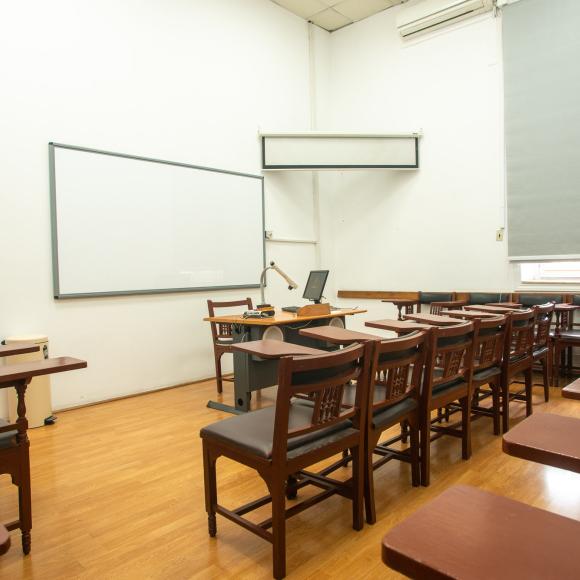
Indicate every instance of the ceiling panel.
{"type": "Point", "coordinates": [330, 20]}
{"type": "Point", "coordinates": [334, 14]}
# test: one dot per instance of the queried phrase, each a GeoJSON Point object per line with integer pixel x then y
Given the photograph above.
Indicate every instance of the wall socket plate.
{"type": "Point", "coordinates": [499, 235]}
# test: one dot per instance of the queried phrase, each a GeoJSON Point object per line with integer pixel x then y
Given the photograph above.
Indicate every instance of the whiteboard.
{"type": "Point", "coordinates": [124, 224]}
{"type": "Point", "coordinates": [339, 151]}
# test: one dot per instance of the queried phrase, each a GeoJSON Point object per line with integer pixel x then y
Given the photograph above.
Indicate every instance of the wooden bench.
{"type": "Point", "coordinates": [468, 533]}
{"type": "Point", "coordinates": [572, 391]}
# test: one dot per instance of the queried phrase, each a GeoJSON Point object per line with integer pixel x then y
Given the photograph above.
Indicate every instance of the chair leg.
{"type": "Point", "coordinates": [278, 529]}
{"type": "Point", "coordinates": [371, 515]}
{"type": "Point", "coordinates": [425, 449]}
{"type": "Point", "coordinates": [210, 484]}
{"type": "Point", "coordinates": [404, 431]}
{"type": "Point", "coordinates": [25, 504]}
{"type": "Point", "coordinates": [495, 407]}
{"type": "Point", "coordinates": [218, 372]}
{"type": "Point", "coordinates": [529, 382]}
{"type": "Point", "coordinates": [505, 402]}
{"type": "Point", "coordinates": [358, 464]}
{"type": "Point", "coordinates": [545, 377]}
{"type": "Point", "coordinates": [291, 490]}
{"type": "Point", "coordinates": [556, 367]}
{"type": "Point", "coordinates": [415, 467]}
{"type": "Point", "coordinates": [465, 428]}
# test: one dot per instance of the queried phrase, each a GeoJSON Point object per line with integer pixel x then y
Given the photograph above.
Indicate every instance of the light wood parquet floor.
{"type": "Point", "coordinates": [118, 493]}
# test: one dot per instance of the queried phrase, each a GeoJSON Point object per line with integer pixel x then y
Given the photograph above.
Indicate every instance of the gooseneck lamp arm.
{"type": "Point", "coordinates": [291, 284]}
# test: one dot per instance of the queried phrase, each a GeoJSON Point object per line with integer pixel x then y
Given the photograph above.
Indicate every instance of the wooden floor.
{"type": "Point", "coordinates": [118, 493]}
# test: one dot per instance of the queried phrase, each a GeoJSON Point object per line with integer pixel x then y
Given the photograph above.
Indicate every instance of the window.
{"type": "Point", "coordinates": [550, 273]}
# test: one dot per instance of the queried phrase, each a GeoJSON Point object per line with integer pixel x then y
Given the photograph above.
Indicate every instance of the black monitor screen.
{"type": "Point", "coordinates": [315, 285]}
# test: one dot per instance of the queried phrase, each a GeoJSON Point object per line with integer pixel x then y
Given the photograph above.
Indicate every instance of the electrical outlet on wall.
{"type": "Point", "coordinates": [499, 235]}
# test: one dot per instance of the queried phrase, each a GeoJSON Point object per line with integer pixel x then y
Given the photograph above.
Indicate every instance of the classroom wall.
{"type": "Point", "coordinates": [185, 80]}
{"type": "Point", "coordinates": [435, 228]}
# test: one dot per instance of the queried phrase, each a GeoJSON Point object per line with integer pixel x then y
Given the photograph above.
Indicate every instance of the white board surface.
{"type": "Point", "coordinates": [130, 225]}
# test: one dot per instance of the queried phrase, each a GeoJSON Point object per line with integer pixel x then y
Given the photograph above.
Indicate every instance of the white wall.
{"type": "Point", "coordinates": [431, 229]}
{"type": "Point", "coordinates": [186, 80]}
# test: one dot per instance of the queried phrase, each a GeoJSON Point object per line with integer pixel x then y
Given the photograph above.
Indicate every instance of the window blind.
{"type": "Point", "coordinates": [541, 48]}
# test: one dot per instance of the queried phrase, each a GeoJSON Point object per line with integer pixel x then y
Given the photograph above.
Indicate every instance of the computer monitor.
{"type": "Point", "coordinates": [315, 285]}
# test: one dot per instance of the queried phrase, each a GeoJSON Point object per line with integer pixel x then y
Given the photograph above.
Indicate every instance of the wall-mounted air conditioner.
{"type": "Point", "coordinates": [427, 15]}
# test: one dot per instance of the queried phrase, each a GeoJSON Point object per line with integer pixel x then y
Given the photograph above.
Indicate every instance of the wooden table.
{"type": "Point", "coordinates": [274, 349]}
{"type": "Point", "coordinates": [398, 326]}
{"type": "Point", "coordinates": [18, 348]}
{"type": "Point", "coordinates": [336, 335]}
{"type": "Point", "coordinates": [253, 372]}
{"type": "Point", "coordinates": [511, 305]}
{"type": "Point", "coordinates": [19, 376]}
{"type": "Point", "coordinates": [548, 439]}
{"type": "Point", "coordinates": [486, 308]}
{"type": "Point", "coordinates": [468, 533]}
{"type": "Point", "coordinates": [469, 314]}
{"type": "Point", "coordinates": [432, 319]}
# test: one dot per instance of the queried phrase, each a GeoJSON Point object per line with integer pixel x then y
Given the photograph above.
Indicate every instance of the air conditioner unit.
{"type": "Point", "coordinates": [430, 14]}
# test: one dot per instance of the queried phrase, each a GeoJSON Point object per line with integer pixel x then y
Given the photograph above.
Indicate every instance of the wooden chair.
{"type": "Point", "coordinates": [564, 338]}
{"type": "Point", "coordinates": [542, 349]}
{"type": "Point", "coordinates": [437, 301]}
{"type": "Point", "coordinates": [447, 378]}
{"type": "Point", "coordinates": [489, 337]}
{"type": "Point", "coordinates": [4, 540]}
{"type": "Point", "coordinates": [222, 336]}
{"type": "Point", "coordinates": [280, 442]}
{"type": "Point", "coordinates": [517, 358]}
{"type": "Point", "coordinates": [397, 369]}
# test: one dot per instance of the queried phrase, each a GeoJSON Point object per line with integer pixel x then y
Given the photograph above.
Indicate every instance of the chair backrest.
{"type": "Point", "coordinates": [487, 297]}
{"type": "Point", "coordinates": [519, 341]}
{"type": "Point", "coordinates": [537, 299]}
{"type": "Point", "coordinates": [449, 356]}
{"type": "Point", "coordinates": [221, 330]}
{"type": "Point", "coordinates": [396, 370]}
{"type": "Point", "coordinates": [542, 323]}
{"type": "Point", "coordinates": [429, 297]}
{"type": "Point", "coordinates": [488, 341]}
{"type": "Point", "coordinates": [321, 379]}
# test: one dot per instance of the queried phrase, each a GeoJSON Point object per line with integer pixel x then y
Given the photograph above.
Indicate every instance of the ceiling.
{"type": "Point", "coordinates": [334, 14]}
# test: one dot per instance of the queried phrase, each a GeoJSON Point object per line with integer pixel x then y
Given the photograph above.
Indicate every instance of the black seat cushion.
{"type": "Point", "coordinates": [391, 415]}
{"type": "Point", "coordinates": [541, 351]}
{"type": "Point", "coordinates": [8, 438]}
{"type": "Point", "coordinates": [486, 374]}
{"type": "Point", "coordinates": [447, 388]}
{"type": "Point", "coordinates": [253, 432]}
{"type": "Point", "coordinates": [569, 335]}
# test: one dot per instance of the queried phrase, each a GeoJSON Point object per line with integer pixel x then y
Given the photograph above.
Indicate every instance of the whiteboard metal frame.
{"type": "Point", "coordinates": [319, 134]}
{"type": "Point", "coordinates": [54, 225]}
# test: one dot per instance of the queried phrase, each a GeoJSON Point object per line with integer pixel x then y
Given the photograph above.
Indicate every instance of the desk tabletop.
{"type": "Point", "coordinates": [11, 373]}
{"type": "Point", "coordinates": [514, 305]}
{"type": "Point", "coordinates": [399, 326]}
{"type": "Point", "coordinates": [18, 348]}
{"type": "Point", "coordinates": [470, 314]}
{"type": "Point", "coordinates": [432, 319]}
{"type": "Point", "coordinates": [274, 348]}
{"type": "Point", "coordinates": [469, 533]}
{"type": "Point", "coordinates": [565, 307]}
{"type": "Point", "coordinates": [338, 335]}
{"type": "Point", "coordinates": [487, 308]}
{"type": "Point", "coordinates": [280, 317]}
{"type": "Point", "coordinates": [546, 438]}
